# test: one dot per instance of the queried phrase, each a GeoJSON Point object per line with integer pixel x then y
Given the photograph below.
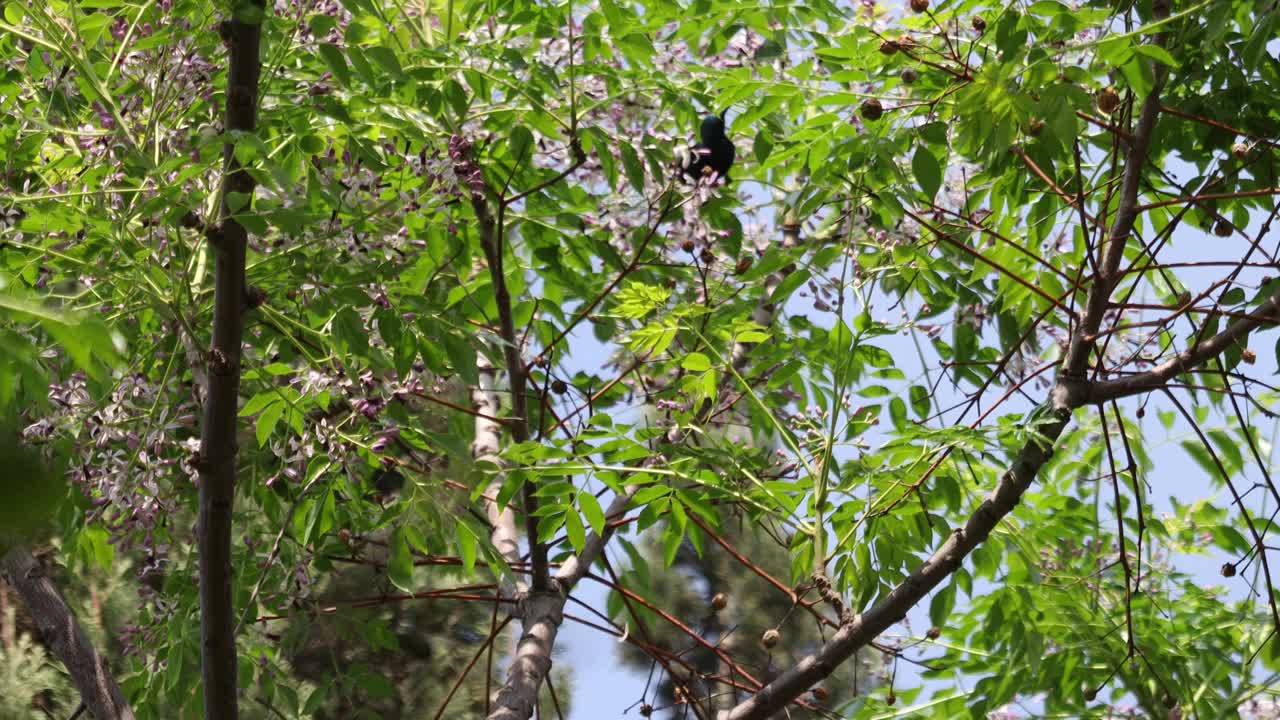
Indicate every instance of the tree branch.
{"type": "Point", "coordinates": [542, 613]}
{"type": "Point", "coordinates": [1108, 272]}
{"type": "Point", "coordinates": [1268, 313]}
{"type": "Point", "coordinates": [64, 636]}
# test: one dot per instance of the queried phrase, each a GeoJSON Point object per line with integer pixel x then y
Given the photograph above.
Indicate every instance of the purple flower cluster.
{"type": "Point", "coordinates": [465, 169]}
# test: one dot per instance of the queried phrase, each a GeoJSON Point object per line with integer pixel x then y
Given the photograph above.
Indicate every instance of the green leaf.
{"type": "Point", "coordinates": [400, 561]}
{"type": "Point", "coordinates": [1228, 450]}
{"type": "Point", "coordinates": [696, 362]}
{"type": "Point", "coordinates": [311, 144]}
{"type": "Point", "coordinates": [789, 284]}
{"type": "Point", "coordinates": [762, 146]}
{"type": "Point", "coordinates": [386, 57]}
{"type": "Point", "coordinates": [375, 684]}
{"type": "Point", "coordinates": [928, 171]}
{"type": "Point", "coordinates": [237, 201]}
{"type": "Point", "coordinates": [320, 518]}
{"type": "Point", "coordinates": [94, 544]}
{"type": "Point", "coordinates": [336, 62]}
{"type": "Point", "coordinates": [267, 421]}
{"type": "Point", "coordinates": [520, 144]}
{"type": "Point", "coordinates": [551, 522]}
{"type": "Point", "coordinates": [467, 543]}
{"type": "Point", "coordinates": [649, 494]}
{"type": "Point", "coordinates": [944, 600]}
{"type": "Point", "coordinates": [457, 97]}
{"type": "Point", "coordinates": [898, 413]}
{"type": "Point", "coordinates": [632, 167]}
{"type": "Point", "coordinates": [672, 538]}
{"type": "Point", "coordinates": [575, 531]}
{"type": "Point", "coordinates": [653, 339]}
{"type": "Point", "coordinates": [920, 401]}
{"type": "Point", "coordinates": [1157, 53]}
{"type": "Point", "coordinates": [259, 402]}
{"type": "Point", "coordinates": [840, 339]}
{"type": "Point", "coordinates": [638, 300]}
{"type": "Point", "coordinates": [591, 509]}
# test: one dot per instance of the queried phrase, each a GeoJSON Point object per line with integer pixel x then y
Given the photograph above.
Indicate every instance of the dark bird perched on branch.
{"type": "Point", "coordinates": [714, 155]}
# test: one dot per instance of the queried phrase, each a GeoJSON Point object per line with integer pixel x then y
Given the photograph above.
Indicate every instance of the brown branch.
{"type": "Point", "coordinates": [1239, 502]}
{"type": "Point", "coordinates": [1214, 123]}
{"type": "Point", "coordinates": [62, 633]}
{"type": "Point", "coordinates": [493, 635]}
{"type": "Point", "coordinates": [689, 632]}
{"type": "Point", "coordinates": [384, 599]}
{"type": "Point", "coordinates": [1111, 252]}
{"type": "Point", "coordinates": [1178, 311]}
{"type": "Point", "coordinates": [1193, 199]}
{"type": "Point", "coordinates": [593, 397]}
{"type": "Point", "coordinates": [579, 157]}
{"type": "Point", "coordinates": [968, 219]}
{"type": "Point", "coordinates": [1266, 314]}
{"type": "Point", "coordinates": [1092, 120]}
{"type": "Point", "coordinates": [1121, 544]}
{"type": "Point", "coordinates": [455, 406]}
{"type": "Point", "coordinates": [217, 460]}
{"type": "Point", "coordinates": [660, 655]}
{"type": "Point", "coordinates": [946, 453]}
{"type": "Point", "coordinates": [1072, 201]}
{"type": "Point", "coordinates": [796, 599]}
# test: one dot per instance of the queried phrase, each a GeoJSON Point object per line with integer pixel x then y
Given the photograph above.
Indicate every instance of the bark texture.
{"type": "Point", "coordinates": [217, 461]}
{"type": "Point", "coordinates": [62, 633]}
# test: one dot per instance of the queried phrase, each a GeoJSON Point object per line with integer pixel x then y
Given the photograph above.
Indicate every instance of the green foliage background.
{"type": "Point", "coordinates": [932, 162]}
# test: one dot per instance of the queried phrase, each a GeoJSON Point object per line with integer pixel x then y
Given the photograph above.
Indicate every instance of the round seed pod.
{"type": "Point", "coordinates": [770, 637]}
{"type": "Point", "coordinates": [1107, 100]}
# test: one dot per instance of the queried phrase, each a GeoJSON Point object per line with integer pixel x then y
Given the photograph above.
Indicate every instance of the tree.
{"type": "Point", "coordinates": [967, 250]}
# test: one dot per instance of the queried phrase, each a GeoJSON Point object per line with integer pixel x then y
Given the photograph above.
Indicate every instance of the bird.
{"type": "Point", "coordinates": [714, 155]}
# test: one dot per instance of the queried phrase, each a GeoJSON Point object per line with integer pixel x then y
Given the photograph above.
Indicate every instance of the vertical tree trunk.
{"type": "Point", "coordinates": [217, 461]}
